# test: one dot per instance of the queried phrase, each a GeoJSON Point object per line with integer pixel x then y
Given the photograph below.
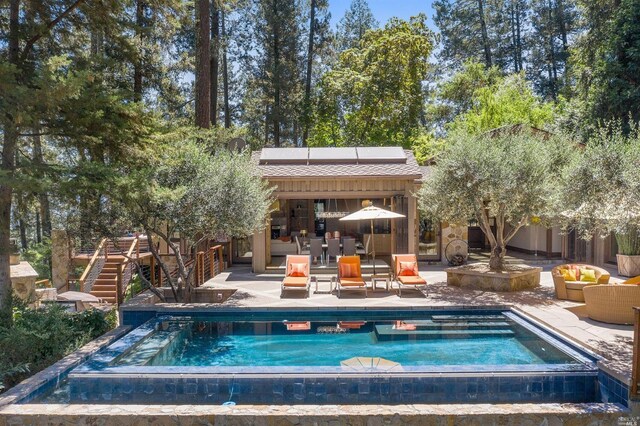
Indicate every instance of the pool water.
{"type": "Point", "coordinates": [334, 357]}
{"type": "Point", "coordinates": [435, 341]}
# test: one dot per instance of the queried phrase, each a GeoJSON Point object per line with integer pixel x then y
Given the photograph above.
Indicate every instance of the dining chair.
{"type": "Point", "coordinates": [299, 249]}
{"type": "Point", "coordinates": [348, 246]}
{"type": "Point", "coordinates": [316, 249]}
{"type": "Point", "coordinates": [366, 250]}
{"type": "Point", "coordinates": [333, 249]}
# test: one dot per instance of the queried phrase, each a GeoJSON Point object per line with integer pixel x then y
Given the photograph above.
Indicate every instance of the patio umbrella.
{"type": "Point", "coordinates": [372, 213]}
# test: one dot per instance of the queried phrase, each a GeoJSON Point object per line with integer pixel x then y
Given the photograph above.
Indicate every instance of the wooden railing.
{"type": "Point", "coordinates": [46, 283]}
{"type": "Point", "coordinates": [635, 368]}
{"type": "Point", "coordinates": [94, 267]}
{"type": "Point", "coordinates": [125, 271]}
{"type": "Point", "coordinates": [208, 264]}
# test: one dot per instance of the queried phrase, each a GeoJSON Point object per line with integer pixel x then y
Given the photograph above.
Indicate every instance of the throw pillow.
{"type": "Point", "coordinates": [588, 275]}
{"type": "Point", "coordinates": [569, 275]}
{"type": "Point", "coordinates": [408, 269]}
{"type": "Point", "coordinates": [348, 270]}
{"type": "Point", "coordinates": [298, 270]}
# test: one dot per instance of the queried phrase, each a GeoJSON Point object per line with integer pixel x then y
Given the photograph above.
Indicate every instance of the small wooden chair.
{"type": "Point", "coordinates": [297, 275]}
{"type": "Point", "coordinates": [405, 272]}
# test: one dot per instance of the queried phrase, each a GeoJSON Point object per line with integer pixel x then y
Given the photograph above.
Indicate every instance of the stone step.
{"type": "Point", "coordinates": [388, 332]}
{"type": "Point", "coordinates": [457, 325]}
{"type": "Point", "coordinates": [467, 317]}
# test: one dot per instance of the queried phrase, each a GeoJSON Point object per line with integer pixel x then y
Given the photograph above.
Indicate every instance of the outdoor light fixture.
{"type": "Point", "coordinates": [331, 215]}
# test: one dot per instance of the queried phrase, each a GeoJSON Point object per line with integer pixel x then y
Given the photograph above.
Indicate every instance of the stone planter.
{"type": "Point", "coordinates": [628, 266]}
{"type": "Point", "coordinates": [478, 276]}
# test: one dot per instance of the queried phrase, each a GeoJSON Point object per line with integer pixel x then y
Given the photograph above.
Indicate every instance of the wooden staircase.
{"type": "Point", "coordinates": [115, 266]}
{"type": "Point", "coordinates": [106, 285]}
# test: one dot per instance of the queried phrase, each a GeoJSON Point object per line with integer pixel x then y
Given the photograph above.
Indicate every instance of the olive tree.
{"type": "Point", "coordinates": [199, 192]}
{"type": "Point", "coordinates": [599, 192]}
{"type": "Point", "coordinates": [506, 176]}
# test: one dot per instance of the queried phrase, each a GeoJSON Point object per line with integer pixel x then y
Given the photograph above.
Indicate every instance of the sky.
{"type": "Point", "coordinates": [384, 9]}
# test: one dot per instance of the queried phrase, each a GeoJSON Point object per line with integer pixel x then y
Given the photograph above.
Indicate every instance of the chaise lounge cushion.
{"type": "Point", "coordinates": [295, 281]}
{"type": "Point", "coordinates": [577, 285]}
{"type": "Point", "coordinates": [412, 280]}
{"type": "Point", "coordinates": [352, 282]}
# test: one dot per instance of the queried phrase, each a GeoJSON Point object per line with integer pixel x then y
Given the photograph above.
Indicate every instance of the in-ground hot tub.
{"type": "Point", "coordinates": [338, 357]}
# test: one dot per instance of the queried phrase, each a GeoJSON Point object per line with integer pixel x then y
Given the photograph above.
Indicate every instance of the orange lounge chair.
{"type": "Point", "coordinates": [350, 274]}
{"type": "Point", "coordinates": [405, 272]}
{"type": "Point", "coordinates": [297, 275]}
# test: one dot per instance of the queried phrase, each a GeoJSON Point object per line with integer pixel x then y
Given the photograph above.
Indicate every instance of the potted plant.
{"type": "Point", "coordinates": [628, 256]}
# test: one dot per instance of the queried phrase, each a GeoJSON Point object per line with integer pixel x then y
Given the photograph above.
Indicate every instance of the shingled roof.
{"type": "Point", "coordinates": [293, 163]}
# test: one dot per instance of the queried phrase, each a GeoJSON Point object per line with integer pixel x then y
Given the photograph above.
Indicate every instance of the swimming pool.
{"type": "Point", "coordinates": [315, 357]}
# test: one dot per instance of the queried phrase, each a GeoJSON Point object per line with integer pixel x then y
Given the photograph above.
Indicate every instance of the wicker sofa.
{"type": "Point", "coordinates": [612, 303]}
{"type": "Point", "coordinates": [573, 290]}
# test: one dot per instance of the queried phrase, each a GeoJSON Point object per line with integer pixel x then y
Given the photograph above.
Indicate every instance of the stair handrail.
{"type": "Point", "coordinates": [635, 364]}
{"type": "Point", "coordinates": [95, 260]}
{"type": "Point", "coordinates": [125, 271]}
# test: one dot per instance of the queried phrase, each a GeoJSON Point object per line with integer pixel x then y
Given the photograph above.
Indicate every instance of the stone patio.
{"type": "Point", "coordinates": [613, 342]}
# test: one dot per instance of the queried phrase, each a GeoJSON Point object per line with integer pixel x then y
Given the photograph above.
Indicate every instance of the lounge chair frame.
{"type": "Point", "coordinates": [297, 259]}
{"type": "Point", "coordinates": [356, 259]}
{"type": "Point", "coordinates": [395, 259]}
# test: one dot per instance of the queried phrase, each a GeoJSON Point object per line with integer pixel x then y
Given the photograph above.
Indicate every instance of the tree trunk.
{"type": "Point", "coordinates": [10, 142]}
{"type": "Point", "coordinates": [519, 37]}
{"type": "Point", "coordinates": [225, 74]}
{"type": "Point", "coordinates": [38, 228]}
{"type": "Point", "coordinates": [137, 67]}
{"type": "Point", "coordinates": [485, 34]}
{"type": "Point", "coordinates": [275, 111]}
{"type": "Point", "coordinates": [307, 88]}
{"type": "Point", "coordinates": [45, 210]}
{"type": "Point", "coordinates": [514, 43]}
{"type": "Point", "coordinates": [203, 64]}
{"type": "Point", "coordinates": [562, 26]}
{"type": "Point", "coordinates": [496, 260]}
{"type": "Point", "coordinates": [24, 244]}
{"type": "Point", "coordinates": [552, 55]}
{"type": "Point", "coordinates": [215, 51]}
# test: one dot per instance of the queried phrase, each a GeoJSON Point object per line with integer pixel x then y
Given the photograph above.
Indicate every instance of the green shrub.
{"type": "Point", "coordinates": [39, 256]}
{"type": "Point", "coordinates": [40, 337]}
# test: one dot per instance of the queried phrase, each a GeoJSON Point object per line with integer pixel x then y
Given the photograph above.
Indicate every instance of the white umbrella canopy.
{"type": "Point", "coordinates": [372, 213]}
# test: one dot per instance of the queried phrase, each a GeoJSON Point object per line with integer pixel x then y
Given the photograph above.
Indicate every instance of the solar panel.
{"type": "Point", "coordinates": [333, 155]}
{"type": "Point", "coordinates": [381, 154]}
{"type": "Point", "coordinates": [284, 155]}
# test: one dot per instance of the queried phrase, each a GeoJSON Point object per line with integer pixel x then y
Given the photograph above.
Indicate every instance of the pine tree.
{"type": "Point", "coordinates": [354, 24]}
{"type": "Point", "coordinates": [277, 70]}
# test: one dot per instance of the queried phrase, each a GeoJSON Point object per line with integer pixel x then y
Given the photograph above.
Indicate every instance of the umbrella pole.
{"type": "Point", "coordinates": [373, 249]}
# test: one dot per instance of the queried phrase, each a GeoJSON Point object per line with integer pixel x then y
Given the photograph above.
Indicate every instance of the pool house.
{"type": "Point", "coordinates": [315, 187]}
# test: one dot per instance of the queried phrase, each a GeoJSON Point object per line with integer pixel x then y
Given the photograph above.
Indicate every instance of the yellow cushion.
{"type": "Point", "coordinates": [569, 274]}
{"type": "Point", "coordinates": [633, 281]}
{"type": "Point", "coordinates": [588, 275]}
